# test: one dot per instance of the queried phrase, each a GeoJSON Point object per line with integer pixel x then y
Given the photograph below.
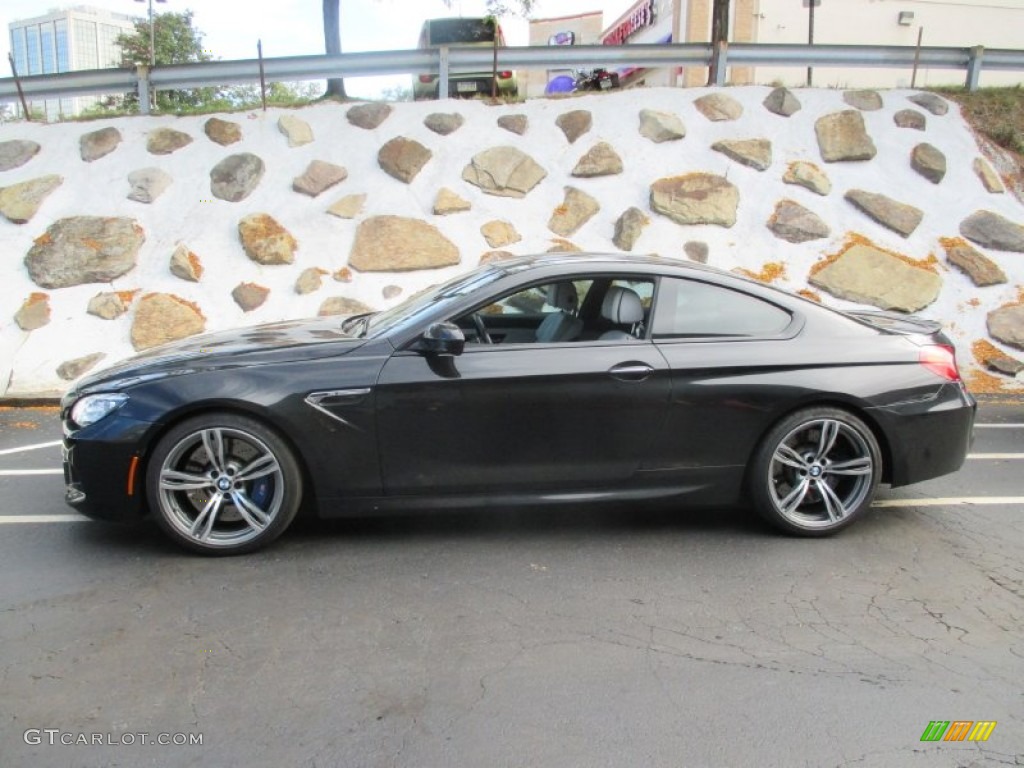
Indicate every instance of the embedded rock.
{"type": "Point", "coordinates": [96, 144]}
{"type": "Point", "coordinates": [443, 123]}
{"type": "Point", "coordinates": [1000, 362]}
{"type": "Point", "coordinates": [222, 132]}
{"type": "Point", "coordinates": [391, 291]}
{"type": "Point", "coordinates": [981, 269]}
{"type": "Point", "coordinates": [343, 275]}
{"type": "Point", "coordinates": [929, 162]}
{"type": "Point", "coordinates": [318, 177]}
{"type": "Point", "coordinates": [1006, 324]}
{"type": "Point", "coordinates": [368, 116]}
{"type": "Point", "coordinates": [148, 184]}
{"type": "Point", "coordinates": [185, 264]}
{"type": "Point", "coordinates": [931, 102]}
{"type": "Point", "coordinates": [20, 202]}
{"type": "Point", "coordinates": [504, 171]}
{"type": "Point", "coordinates": [342, 305]}
{"type": "Point", "coordinates": [600, 160]}
{"type": "Point", "coordinates": [866, 100]}
{"type": "Point", "coordinates": [563, 246]}
{"type": "Point", "coordinates": [842, 137]}
{"type": "Point", "coordinates": [70, 370]}
{"type": "Point", "coordinates": [910, 118]}
{"type": "Point", "coordinates": [107, 305]}
{"type": "Point", "coordinates": [989, 178]}
{"type": "Point", "coordinates": [295, 129]}
{"type": "Point", "coordinates": [348, 207]}
{"type": "Point", "coordinates": [403, 158]}
{"type": "Point", "coordinates": [991, 230]}
{"type": "Point", "coordinates": [249, 296]}
{"type": "Point", "coordinates": [870, 276]}
{"type": "Point", "coordinates": [755, 153]}
{"type": "Point", "coordinates": [265, 241]}
{"type": "Point", "coordinates": [661, 126]}
{"type": "Point", "coordinates": [809, 176]}
{"type": "Point", "coordinates": [84, 249]}
{"type": "Point", "coordinates": [399, 244]}
{"type": "Point", "coordinates": [574, 124]}
{"type": "Point", "coordinates": [628, 228]}
{"type": "Point", "coordinates": [782, 102]}
{"type": "Point", "coordinates": [310, 280]}
{"type": "Point", "coordinates": [899, 217]}
{"type": "Point", "coordinates": [15, 153]}
{"type": "Point", "coordinates": [499, 233]}
{"type": "Point", "coordinates": [577, 209]}
{"type": "Point", "coordinates": [235, 177]}
{"type": "Point", "coordinates": [162, 318]}
{"type": "Point", "coordinates": [718, 107]}
{"type": "Point", "coordinates": [796, 224]}
{"type": "Point", "coordinates": [164, 141]}
{"type": "Point", "coordinates": [517, 124]}
{"type": "Point", "coordinates": [34, 312]}
{"type": "Point", "coordinates": [696, 250]}
{"type": "Point", "coordinates": [696, 198]}
{"type": "Point", "coordinates": [448, 202]}
{"type": "Point", "coordinates": [492, 256]}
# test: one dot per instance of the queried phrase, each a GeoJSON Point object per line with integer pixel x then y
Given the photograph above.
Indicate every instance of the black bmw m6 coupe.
{"type": "Point", "coordinates": [576, 378]}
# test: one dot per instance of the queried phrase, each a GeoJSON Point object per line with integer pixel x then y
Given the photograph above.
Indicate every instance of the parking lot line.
{"type": "Point", "coordinates": [955, 501]}
{"type": "Point", "coordinates": [1014, 456]}
{"type": "Point", "coordinates": [9, 519]}
{"type": "Point", "coordinates": [35, 447]}
{"type": "Point", "coordinates": [999, 426]}
{"type": "Point", "coordinates": [16, 472]}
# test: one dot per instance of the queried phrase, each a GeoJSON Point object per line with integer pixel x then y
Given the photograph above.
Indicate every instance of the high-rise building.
{"type": "Point", "coordinates": [67, 41]}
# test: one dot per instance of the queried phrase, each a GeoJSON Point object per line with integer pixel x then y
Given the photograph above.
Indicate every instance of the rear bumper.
{"type": "Point", "coordinates": [927, 438]}
{"type": "Point", "coordinates": [466, 85]}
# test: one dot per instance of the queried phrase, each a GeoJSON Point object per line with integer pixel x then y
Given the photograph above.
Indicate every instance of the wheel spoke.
{"type": "Point", "coordinates": [261, 466]}
{"type": "Point", "coordinates": [207, 517]}
{"type": "Point", "coordinates": [255, 517]}
{"type": "Point", "coordinates": [796, 496]}
{"type": "Point", "coordinates": [213, 442]}
{"type": "Point", "coordinates": [833, 505]}
{"type": "Point", "coordinates": [786, 455]}
{"type": "Point", "coordinates": [829, 433]}
{"type": "Point", "coordinates": [860, 466]}
{"type": "Point", "coordinates": [175, 480]}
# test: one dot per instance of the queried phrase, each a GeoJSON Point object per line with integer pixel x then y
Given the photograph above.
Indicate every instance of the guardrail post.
{"type": "Point", "coordinates": [721, 56]}
{"type": "Point", "coordinates": [442, 84]}
{"type": "Point", "coordinates": [142, 72]}
{"type": "Point", "coordinates": [977, 54]}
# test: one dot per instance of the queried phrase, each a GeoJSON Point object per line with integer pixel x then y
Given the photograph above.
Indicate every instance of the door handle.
{"type": "Point", "coordinates": [631, 371]}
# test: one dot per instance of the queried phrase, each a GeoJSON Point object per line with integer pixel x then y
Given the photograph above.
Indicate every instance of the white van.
{"type": "Point", "coordinates": [457, 32]}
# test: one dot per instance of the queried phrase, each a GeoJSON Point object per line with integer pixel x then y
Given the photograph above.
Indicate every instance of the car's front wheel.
{"type": "Point", "coordinates": [223, 484]}
{"type": "Point", "coordinates": [816, 471]}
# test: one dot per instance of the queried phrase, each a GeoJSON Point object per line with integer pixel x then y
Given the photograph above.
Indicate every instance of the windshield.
{"type": "Point", "coordinates": [410, 310]}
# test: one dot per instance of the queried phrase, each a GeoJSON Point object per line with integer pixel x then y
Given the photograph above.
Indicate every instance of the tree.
{"type": "Point", "coordinates": [175, 41]}
{"type": "Point", "coordinates": [332, 29]}
{"type": "Point", "coordinates": [719, 34]}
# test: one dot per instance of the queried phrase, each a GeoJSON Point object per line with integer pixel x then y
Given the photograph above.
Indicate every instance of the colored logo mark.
{"type": "Point", "coordinates": [958, 730]}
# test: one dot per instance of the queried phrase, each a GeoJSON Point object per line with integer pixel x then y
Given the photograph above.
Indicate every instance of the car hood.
{"type": "Point", "coordinates": [254, 345]}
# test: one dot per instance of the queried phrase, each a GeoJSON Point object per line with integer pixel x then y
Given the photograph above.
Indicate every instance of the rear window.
{"type": "Point", "coordinates": [455, 31]}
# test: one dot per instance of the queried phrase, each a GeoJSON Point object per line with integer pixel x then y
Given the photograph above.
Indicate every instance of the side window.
{"type": "Point", "coordinates": [690, 308]}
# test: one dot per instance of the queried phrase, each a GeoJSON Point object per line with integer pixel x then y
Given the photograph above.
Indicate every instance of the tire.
{"type": "Point", "coordinates": [815, 472]}
{"type": "Point", "coordinates": [223, 484]}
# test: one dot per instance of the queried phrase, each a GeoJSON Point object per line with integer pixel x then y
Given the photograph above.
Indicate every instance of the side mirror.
{"type": "Point", "coordinates": [445, 339]}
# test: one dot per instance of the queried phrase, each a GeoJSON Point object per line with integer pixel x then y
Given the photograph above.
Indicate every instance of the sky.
{"type": "Point", "coordinates": [295, 27]}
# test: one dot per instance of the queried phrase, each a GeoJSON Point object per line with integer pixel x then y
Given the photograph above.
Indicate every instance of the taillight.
{"type": "Point", "coordinates": [426, 79]}
{"type": "Point", "coordinates": [505, 74]}
{"type": "Point", "coordinates": [940, 359]}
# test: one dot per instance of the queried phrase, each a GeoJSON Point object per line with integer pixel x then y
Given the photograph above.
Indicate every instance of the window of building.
{"type": "Point", "coordinates": [49, 54]}
{"type": "Point", "coordinates": [35, 64]}
{"type": "Point", "coordinates": [85, 44]}
{"type": "Point", "coordinates": [61, 32]}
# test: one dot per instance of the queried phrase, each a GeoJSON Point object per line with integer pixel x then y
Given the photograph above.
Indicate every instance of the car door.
{"type": "Point", "coordinates": [520, 417]}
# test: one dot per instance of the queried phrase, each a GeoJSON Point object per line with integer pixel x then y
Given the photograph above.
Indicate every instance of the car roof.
{"type": "Point", "coordinates": [590, 260]}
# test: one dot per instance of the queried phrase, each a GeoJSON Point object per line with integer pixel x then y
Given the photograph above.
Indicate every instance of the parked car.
{"type": "Point", "coordinates": [534, 380]}
{"type": "Point", "coordinates": [460, 32]}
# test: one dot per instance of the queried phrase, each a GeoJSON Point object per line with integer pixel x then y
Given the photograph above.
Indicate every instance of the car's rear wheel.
{"type": "Point", "coordinates": [223, 484]}
{"type": "Point", "coordinates": [816, 471]}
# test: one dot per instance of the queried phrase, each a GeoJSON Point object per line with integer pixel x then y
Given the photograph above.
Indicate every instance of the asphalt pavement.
{"type": "Point", "coordinates": [575, 637]}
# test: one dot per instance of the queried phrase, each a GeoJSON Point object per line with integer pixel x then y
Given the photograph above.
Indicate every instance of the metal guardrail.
{"type": "Point", "coordinates": [465, 59]}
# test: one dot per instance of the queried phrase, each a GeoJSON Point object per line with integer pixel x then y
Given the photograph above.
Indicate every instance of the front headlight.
{"type": "Point", "coordinates": [91, 408]}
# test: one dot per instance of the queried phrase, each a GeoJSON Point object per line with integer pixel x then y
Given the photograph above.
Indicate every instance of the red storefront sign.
{"type": "Point", "coordinates": [639, 16]}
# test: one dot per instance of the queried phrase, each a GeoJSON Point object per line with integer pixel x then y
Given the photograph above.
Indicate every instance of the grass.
{"type": "Point", "coordinates": [996, 113]}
